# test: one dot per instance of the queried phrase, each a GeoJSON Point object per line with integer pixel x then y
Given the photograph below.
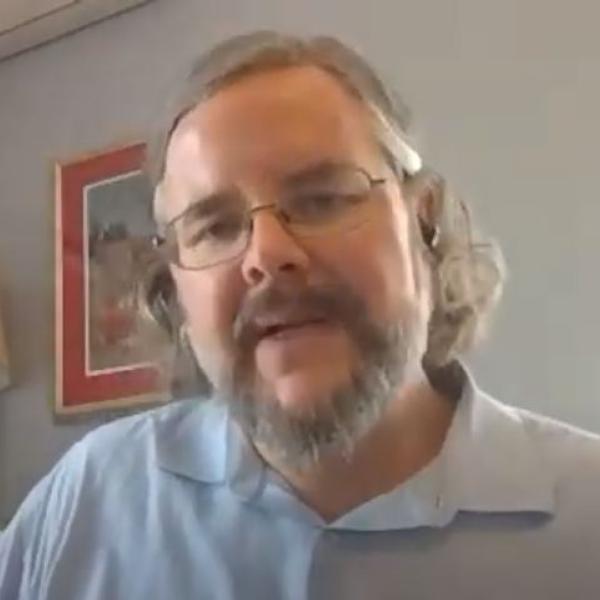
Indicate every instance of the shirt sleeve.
{"type": "Point", "coordinates": [30, 544]}
{"type": "Point", "coordinates": [11, 562]}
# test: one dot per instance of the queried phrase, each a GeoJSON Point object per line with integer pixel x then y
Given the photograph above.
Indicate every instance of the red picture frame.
{"type": "Point", "coordinates": [96, 364]}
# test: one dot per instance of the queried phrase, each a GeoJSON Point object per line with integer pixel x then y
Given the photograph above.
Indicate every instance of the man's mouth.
{"type": "Point", "coordinates": [284, 329]}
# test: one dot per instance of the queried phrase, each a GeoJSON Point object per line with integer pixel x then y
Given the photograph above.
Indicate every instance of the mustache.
{"type": "Point", "coordinates": [336, 303]}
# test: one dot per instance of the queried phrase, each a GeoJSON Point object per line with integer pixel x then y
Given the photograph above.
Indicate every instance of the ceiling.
{"type": "Point", "coordinates": [28, 23]}
{"type": "Point", "coordinates": [16, 13]}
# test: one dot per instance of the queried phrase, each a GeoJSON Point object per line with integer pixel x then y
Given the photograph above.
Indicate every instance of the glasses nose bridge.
{"type": "Point", "coordinates": [272, 207]}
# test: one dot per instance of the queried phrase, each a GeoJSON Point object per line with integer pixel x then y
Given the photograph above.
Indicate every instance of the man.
{"type": "Point", "coordinates": [327, 284]}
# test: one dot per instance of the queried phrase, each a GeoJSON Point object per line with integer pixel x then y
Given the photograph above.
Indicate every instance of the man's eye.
{"type": "Point", "coordinates": [218, 231]}
{"type": "Point", "coordinates": [323, 203]}
{"type": "Point", "coordinates": [325, 200]}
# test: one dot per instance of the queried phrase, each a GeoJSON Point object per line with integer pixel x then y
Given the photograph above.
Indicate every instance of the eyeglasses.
{"type": "Point", "coordinates": [218, 229]}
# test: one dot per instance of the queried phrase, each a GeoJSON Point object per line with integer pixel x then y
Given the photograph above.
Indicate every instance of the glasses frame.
{"type": "Point", "coordinates": [162, 246]}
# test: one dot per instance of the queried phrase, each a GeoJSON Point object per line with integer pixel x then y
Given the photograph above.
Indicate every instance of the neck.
{"type": "Point", "coordinates": [408, 436]}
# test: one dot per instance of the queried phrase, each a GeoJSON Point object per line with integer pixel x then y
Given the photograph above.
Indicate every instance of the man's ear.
{"type": "Point", "coordinates": [427, 191]}
{"type": "Point", "coordinates": [160, 299]}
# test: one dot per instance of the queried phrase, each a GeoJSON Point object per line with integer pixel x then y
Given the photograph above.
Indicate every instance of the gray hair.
{"type": "Point", "coordinates": [467, 270]}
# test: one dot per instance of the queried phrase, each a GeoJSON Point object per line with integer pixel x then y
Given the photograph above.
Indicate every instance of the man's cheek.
{"type": "Point", "coordinates": [195, 298]}
{"type": "Point", "coordinates": [210, 324]}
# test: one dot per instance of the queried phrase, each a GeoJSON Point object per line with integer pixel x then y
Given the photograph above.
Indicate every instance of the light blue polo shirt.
{"type": "Point", "coordinates": [174, 504]}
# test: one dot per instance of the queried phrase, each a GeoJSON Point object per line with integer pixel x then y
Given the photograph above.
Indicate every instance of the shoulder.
{"type": "Point", "coordinates": [116, 441]}
{"type": "Point", "coordinates": [571, 456]}
{"type": "Point", "coordinates": [111, 468]}
{"type": "Point", "coordinates": [560, 442]}
{"type": "Point", "coordinates": [134, 434]}
{"type": "Point", "coordinates": [130, 449]}
{"type": "Point", "coordinates": [119, 452]}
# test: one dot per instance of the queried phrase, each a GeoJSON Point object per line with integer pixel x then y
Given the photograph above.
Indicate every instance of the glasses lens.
{"type": "Point", "coordinates": [330, 199]}
{"type": "Point", "coordinates": [333, 199]}
{"type": "Point", "coordinates": [204, 240]}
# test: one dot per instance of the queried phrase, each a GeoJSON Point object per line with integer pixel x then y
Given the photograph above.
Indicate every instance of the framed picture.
{"type": "Point", "coordinates": [107, 350]}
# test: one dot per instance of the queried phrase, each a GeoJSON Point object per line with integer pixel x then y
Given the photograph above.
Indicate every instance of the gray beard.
{"type": "Point", "coordinates": [351, 411]}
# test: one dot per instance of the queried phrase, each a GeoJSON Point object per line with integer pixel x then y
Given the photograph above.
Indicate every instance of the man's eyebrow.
{"type": "Point", "coordinates": [210, 204]}
{"type": "Point", "coordinates": [313, 170]}
{"type": "Point", "coordinates": [218, 200]}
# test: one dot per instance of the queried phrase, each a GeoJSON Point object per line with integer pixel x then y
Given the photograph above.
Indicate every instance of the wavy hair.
{"type": "Point", "coordinates": [467, 270]}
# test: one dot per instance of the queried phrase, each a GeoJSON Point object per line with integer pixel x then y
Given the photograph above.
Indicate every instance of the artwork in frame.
{"type": "Point", "coordinates": [108, 351]}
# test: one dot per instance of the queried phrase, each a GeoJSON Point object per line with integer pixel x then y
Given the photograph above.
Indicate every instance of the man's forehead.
{"type": "Point", "coordinates": [272, 120]}
{"type": "Point", "coordinates": [279, 92]}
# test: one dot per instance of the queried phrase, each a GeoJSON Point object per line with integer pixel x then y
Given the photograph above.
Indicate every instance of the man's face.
{"type": "Point", "coordinates": [352, 295]}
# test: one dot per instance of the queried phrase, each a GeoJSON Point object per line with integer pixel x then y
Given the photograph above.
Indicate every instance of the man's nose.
{"type": "Point", "coordinates": [273, 252]}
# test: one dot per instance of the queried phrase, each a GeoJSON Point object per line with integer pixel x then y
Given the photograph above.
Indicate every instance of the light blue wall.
{"type": "Point", "coordinates": [506, 95]}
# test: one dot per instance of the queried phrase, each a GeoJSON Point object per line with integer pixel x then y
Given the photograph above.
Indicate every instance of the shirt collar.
{"type": "Point", "coordinates": [197, 439]}
{"type": "Point", "coordinates": [492, 462]}
{"type": "Point", "coordinates": [190, 439]}
{"type": "Point", "coordinates": [488, 463]}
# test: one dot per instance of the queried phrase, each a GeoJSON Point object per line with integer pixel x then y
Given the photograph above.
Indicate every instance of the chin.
{"type": "Point", "coordinates": [302, 393]}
